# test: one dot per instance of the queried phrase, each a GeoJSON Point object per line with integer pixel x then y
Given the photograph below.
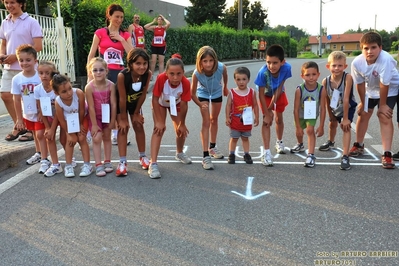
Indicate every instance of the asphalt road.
{"type": "Point", "coordinates": [234, 215]}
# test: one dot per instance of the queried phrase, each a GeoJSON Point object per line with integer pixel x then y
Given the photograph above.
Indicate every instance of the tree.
{"type": "Point", "coordinates": [254, 16]}
{"type": "Point", "coordinates": [293, 31]}
{"type": "Point", "coordinates": [204, 10]}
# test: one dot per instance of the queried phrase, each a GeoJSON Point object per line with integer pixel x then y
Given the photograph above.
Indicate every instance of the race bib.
{"type": "Point", "coordinates": [113, 56]}
{"type": "Point", "coordinates": [310, 110]}
{"type": "Point", "coordinates": [73, 124]}
{"type": "Point", "coordinates": [136, 86]}
{"type": "Point", "coordinates": [45, 105]}
{"type": "Point", "coordinates": [172, 104]}
{"type": "Point", "coordinates": [247, 118]}
{"type": "Point", "coordinates": [105, 113]}
{"type": "Point", "coordinates": [158, 40]}
{"type": "Point", "coordinates": [140, 40]}
{"type": "Point", "coordinates": [335, 99]}
{"type": "Point", "coordinates": [29, 104]}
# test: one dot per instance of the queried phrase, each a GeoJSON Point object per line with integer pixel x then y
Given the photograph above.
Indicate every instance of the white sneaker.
{"type": "Point", "coordinates": [86, 170]}
{"type": "Point", "coordinates": [207, 163]}
{"type": "Point", "coordinates": [53, 170]}
{"type": "Point", "coordinates": [267, 159]}
{"type": "Point", "coordinates": [114, 136]}
{"type": "Point", "coordinates": [153, 171]}
{"type": "Point", "coordinates": [36, 158]}
{"type": "Point", "coordinates": [183, 158]}
{"type": "Point", "coordinates": [215, 153]}
{"type": "Point", "coordinates": [69, 171]}
{"type": "Point", "coordinates": [89, 138]}
{"type": "Point", "coordinates": [280, 148]}
{"type": "Point", "coordinates": [44, 165]}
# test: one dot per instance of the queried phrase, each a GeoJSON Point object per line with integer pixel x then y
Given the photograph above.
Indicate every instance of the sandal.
{"type": "Point", "coordinates": [27, 137]}
{"type": "Point", "coordinates": [11, 137]}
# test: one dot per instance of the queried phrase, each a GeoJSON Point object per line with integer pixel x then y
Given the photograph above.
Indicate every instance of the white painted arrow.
{"type": "Point", "coordinates": [248, 194]}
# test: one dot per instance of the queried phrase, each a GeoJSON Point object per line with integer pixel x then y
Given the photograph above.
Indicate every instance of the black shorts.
{"type": "Point", "coordinates": [351, 114]}
{"type": "Point", "coordinates": [158, 50]}
{"type": "Point", "coordinates": [391, 101]}
{"type": "Point", "coordinates": [217, 100]}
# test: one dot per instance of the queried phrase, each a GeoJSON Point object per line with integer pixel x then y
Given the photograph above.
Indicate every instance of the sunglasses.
{"type": "Point", "coordinates": [95, 70]}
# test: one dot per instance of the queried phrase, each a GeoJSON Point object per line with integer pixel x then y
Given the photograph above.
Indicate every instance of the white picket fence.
{"type": "Point", "coordinates": [52, 50]}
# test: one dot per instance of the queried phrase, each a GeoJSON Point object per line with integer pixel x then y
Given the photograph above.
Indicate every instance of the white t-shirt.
{"type": "Point", "coordinates": [41, 92]}
{"type": "Point", "coordinates": [383, 70]}
{"type": "Point", "coordinates": [25, 87]}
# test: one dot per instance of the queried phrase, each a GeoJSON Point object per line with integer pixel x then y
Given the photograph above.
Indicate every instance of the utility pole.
{"type": "Point", "coordinates": [239, 15]}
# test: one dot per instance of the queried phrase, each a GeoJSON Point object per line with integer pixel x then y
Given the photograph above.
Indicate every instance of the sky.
{"type": "Point", "coordinates": [338, 15]}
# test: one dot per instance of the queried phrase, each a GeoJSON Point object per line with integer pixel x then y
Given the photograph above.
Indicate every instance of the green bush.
{"type": "Point", "coordinates": [357, 52]}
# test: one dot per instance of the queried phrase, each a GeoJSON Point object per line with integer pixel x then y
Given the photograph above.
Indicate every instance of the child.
{"type": "Point", "coordinates": [46, 136]}
{"type": "Point", "coordinates": [23, 85]}
{"type": "Point", "coordinates": [377, 81]}
{"type": "Point", "coordinates": [71, 112]}
{"type": "Point", "coordinates": [101, 99]}
{"type": "Point", "coordinates": [240, 107]}
{"type": "Point", "coordinates": [132, 89]}
{"type": "Point", "coordinates": [206, 92]}
{"type": "Point", "coordinates": [340, 104]}
{"type": "Point", "coordinates": [309, 102]}
{"type": "Point", "coordinates": [171, 92]}
{"type": "Point", "coordinates": [270, 80]}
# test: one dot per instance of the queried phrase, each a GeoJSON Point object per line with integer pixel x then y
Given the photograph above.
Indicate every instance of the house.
{"type": "Point", "coordinates": [346, 43]}
{"type": "Point", "coordinates": [172, 12]}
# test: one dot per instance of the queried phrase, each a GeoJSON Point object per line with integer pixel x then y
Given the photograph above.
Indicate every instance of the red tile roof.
{"type": "Point", "coordinates": [337, 38]}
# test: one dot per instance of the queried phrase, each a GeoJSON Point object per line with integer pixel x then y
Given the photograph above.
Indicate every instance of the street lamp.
{"type": "Point", "coordinates": [321, 25]}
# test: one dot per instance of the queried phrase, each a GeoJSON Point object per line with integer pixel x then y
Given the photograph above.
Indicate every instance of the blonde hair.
{"type": "Point", "coordinates": [336, 55]}
{"type": "Point", "coordinates": [203, 52]}
{"type": "Point", "coordinates": [89, 66]}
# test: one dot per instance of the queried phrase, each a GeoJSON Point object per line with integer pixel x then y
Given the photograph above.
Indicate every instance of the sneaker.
{"type": "Point", "coordinates": [153, 171]}
{"type": "Point", "coordinates": [345, 165]}
{"type": "Point", "coordinates": [86, 170]}
{"type": "Point", "coordinates": [298, 148]}
{"type": "Point", "coordinates": [144, 162]}
{"type": "Point", "coordinates": [182, 157]}
{"type": "Point", "coordinates": [54, 169]}
{"type": "Point", "coordinates": [89, 138]}
{"type": "Point", "coordinates": [387, 160]}
{"type": "Point", "coordinates": [100, 171]}
{"type": "Point", "coordinates": [267, 159]}
{"type": "Point", "coordinates": [44, 165]}
{"type": "Point", "coordinates": [215, 153]}
{"type": "Point", "coordinates": [69, 171]}
{"type": "Point", "coordinates": [356, 150]}
{"type": "Point", "coordinates": [232, 158]}
{"type": "Point", "coordinates": [248, 159]}
{"type": "Point", "coordinates": [108, 168]}
{"type": "Point", "coordinates": [207, 163]}
{"type": "Point", "coordinates": [395, 156]}
{"type": "Point", "coordinates": [310, 161]}
{"type": "Point", "coordinates": [36, 158]}
{"type": "Point", "coordinates": [326, 146]}
{"type": "Point", "coordinates": [114, 137]}
{"type": "Point", "coordinates": [280, 147]}
{"type": "Point", "coordinates": [121, 170]}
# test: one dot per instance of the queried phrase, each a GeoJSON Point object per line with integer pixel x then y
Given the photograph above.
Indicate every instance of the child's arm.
{"type": "Point", "coordinates": [276, 95]}
{"type": "Point", "coordinates": [112, 105]}
{"type": "Point", "coordinates": [82, 109]}
{"type": "Point", "coordinates": [320, 129]}
{"type": "Point", "coordinates": [182, 130]}
{"type": "Point", "coordinates": [194, 84]}
{"type": "Point", "coordinates": [225, 89]}
{"type": "Point", "coordinates": [297, 107]}
{"type": "Point", "coordinates": [123, 122]}
{"type": "Point", "coordinates": [361, 90]}
{"type": "Point", "coordinates": [383, 107]}
{"type": "Point", "coordinates": [59, 113]}
{"type": "Point", "coordinates": [19, 125]}
{"type": "Point", "coordinates": [50, 132]}
{"type": "Point", "coordinates": [346, 123]}
{"type": "Point", "coordinates": [228, 110]}
{"type": "Point", "coordinates": [92, 111]}
{"type": "Point", "coordinates": [137, 116]}
{"type": "Point", "coordinates": [255, 109]}
{"type": "Point", "coordinates": [267, 113]}
{"type": "Point", "coordinates": [328, 108]}
{"type": "Point", "coordinates": [159, 125]}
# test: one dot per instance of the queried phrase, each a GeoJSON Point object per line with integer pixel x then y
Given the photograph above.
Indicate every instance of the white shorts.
{"type": "Point", "coordinates": [6, 80]}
